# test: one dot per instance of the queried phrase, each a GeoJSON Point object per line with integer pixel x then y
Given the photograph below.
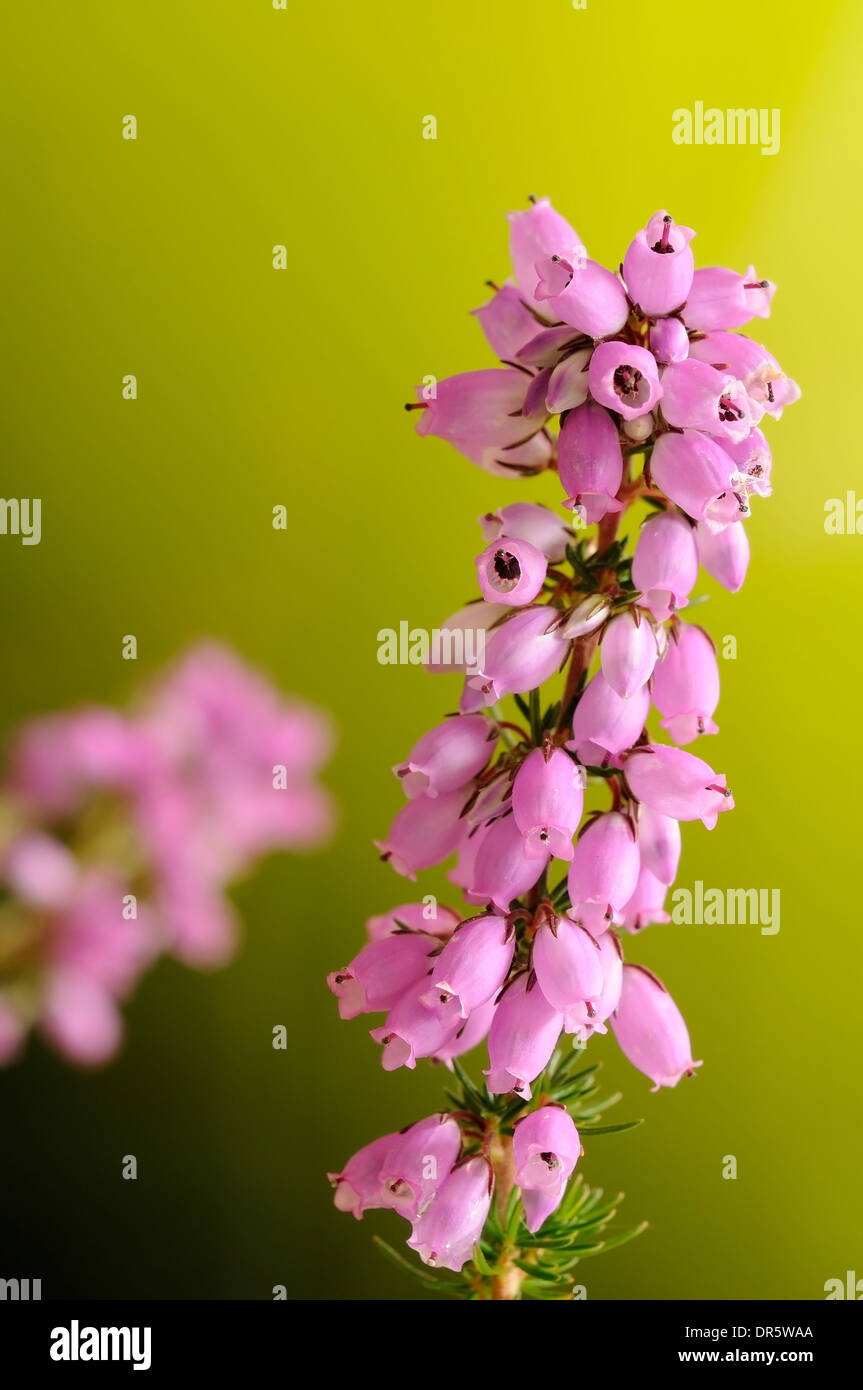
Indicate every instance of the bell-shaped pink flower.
{"type": "Point", "coordinates": [604, 724]}
{"type": "Point", "coordinates": [624, 378]}
{"type": "Point", "coordinates": [511, 572]}
{"type": "Point", "coordinates": [721, 299]}
{"type": "Point", "coordinates": [686, 684]}
{"type": "Point", "coordinates": [604, 871]}
{"type": "Point", "coordinates": [520, 654]}
{"type": "Point", "coordinates": [503, 869]}
{"type": "Point", "coordinates": [547, 801]}
{"type": "Point", "coordinates": [80, 1017]}
{"type": "Point", "coordinates": [650, 1029]}
{"type": "Point", "coordinates": [477, 409]}
{"type": "Point", "coordinates": [584, 294]}
{"type": "Point", "coordinates": [448, 756]}
{"type": "Point", "coordinates": [590, 461]}
{"type": "Point", "coordinates": [568, 383]}
{"type": "Point", "coordinates": [522, 1037]}
{"type": "Point", "coordinates": [665, 564]}
{"type": "Point", "coordinates": [658, 266]}
{"type": "Point", "coordinates": [628, 652]}
{"type": "Point", "coordinates": [768, 388]}
{"type": "Point", "coordinates": [523, 459]}
{"type": "Point", "coordinates": [677, 784]}
{"type": "Point", "coordinates": [434, 918]}
{"type": "Point", "coordinates": [382, 972]}
{"type": "Point", "coordinates": [529, 521]}
{"type": "Point", "coordinates": [545, 1148]}
{"type": "Point", "coordinates": [424, 832]}
{"type": "Point", "coordinates": [696, 473]}
{"type": "Point", "coordinates": [417, 1163]}
{"type": "Point", "coordinates": [411, 1031]}
{"type": "Point", "coordinates": [446, 1234]}
{"type": "Point", "coordinates": [471, 968]}
{"type": "Point", "coordinates": [659, 843]}
{"type": "Point", "coordinates": [586, 1019]}
{"type": "Point", "coordinates": [568, 964]}
{"type": "Point", "coordinates": [358, 1186]}
{"type": "Point", "coordinates": [535, 234]}
{"type": "Point", "coordinates": [469, 1036]}
{"type": "Point", "coordinates": [506, 322]}
{"type": "Point", "coordinates": [647, 903]}
{"type": "Point", "coordinates": [669, 341]}
{"type": "Point", "coordinates": [695, 396]}
{"type": "Point", "coordinates": [724, 553]}
{"type": "Point", "coordinates": [460, 643]}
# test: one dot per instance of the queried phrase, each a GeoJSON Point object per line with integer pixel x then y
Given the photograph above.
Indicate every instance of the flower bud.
{"type": "Point", "coordinates": [605, 725]}
{"type": "Point", "coordinates": [590, 461]}
{"type": "Point", "coordinates": [669, 341]}
{"type": "Point", "coordinates": [547, 801]}
{"type": "Point", "coordinates": [686, 684]}
{"type": "Point", "coordinates": [522, 1037]}
{"type": "Point", "coordinates": [665, 564]}
{"type": "Point", "coordinates": [650, 1029]}
{"type": "Point", "coordinates": [586, 616]}
{"type": "Point", "coordinates": [471, 968]}
{"type": "Point", "coordinates": [604, 871]}
{"type": "Point", "coordinates": [567, 963]}
{"type": "Point", "coordinates": [628, 652]}
{"type": "Point", "coordinates": [724, 553]}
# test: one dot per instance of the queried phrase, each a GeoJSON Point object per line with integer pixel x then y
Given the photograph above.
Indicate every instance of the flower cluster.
{"type": "Point", "coordinates": [119, 833]}
{"type": "Point", "coordinates": [639, 392]}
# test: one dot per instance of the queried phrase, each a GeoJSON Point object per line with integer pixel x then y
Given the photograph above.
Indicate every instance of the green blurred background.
{"type": "Point", "coordinates": [256, 387]}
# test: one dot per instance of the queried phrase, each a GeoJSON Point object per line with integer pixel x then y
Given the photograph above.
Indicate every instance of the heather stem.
{"type": "Point", "coordinates": [507, 1283]}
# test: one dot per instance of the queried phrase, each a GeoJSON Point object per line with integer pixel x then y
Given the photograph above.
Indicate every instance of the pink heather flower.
{"type": "Point", "coordinates": [90, 938]}
{"type": "Point", "coordinates": [529, 521]}
{"type": "Point", "coordinates": [506, 322]}
{"type": "Point", "coordinates": [586, 1019]}
{"type": "Point", "coordinates": [677, 784]}
{"type": "Point", "coordinates": [520, 654]}
{"type": "Point", "coordinates": [658, 266]}
{"type": "Point", "coordinates": [604, 871]}
{"type": "Point", "coordinates": [686, 684]}
{"type": "Point", "coordinates": [583, 294]}
{"type": "Point", "coordinates": [417, 1163]}
{"type": "Point", "coordinates": [429, 917]}
{"type": "Point", "coordinates": [753, 461]}
{"type": "Point", "coordinates": [534, 234]}
{"type": "Point", "coordinates": [696, 396]}
{"type": "Point", "coordinates": [468, 1036]}
{"type": "Point", "coordinates": [471, 968]}
{"type": "Point", "coordinates": [383, 971]}
{"type": "Point", "coordinates": [768, 388]}
{"type": "Point", "coordinates": [552, 346]}
{"type": "Point", "coordinates": [522, 1037]}
{"type": "Point", "coordinates": [547, 801]}
{"type": "Point", "coordinates": [629, 652]}
{"type": "Point", "coordinates": [358, 1186]}
{"type": "Point", "coordinates": [511, 572]}
{"type": "Point", "coordinates": [721, 299]}
{"type": "Point", "coordinates": [446, 1234]}
{"type": "Point", "coordinates": [546, 1148]}
{"type": "Point", "coordinates": [659, 843]}
{"type": "Point", "coordinates": [605, 725]}
{"type": "Point", "coordinates": [80, 1018]}
{"type": "Point", "coordinates": [624, 378]}
{"type": "Point", "coordinates": [475, 410]}
{"type": "Point", "coordinates": [448, 757]}
{"type": "Point", "coordinates": [520, 460]}
{"type": "Point", "coordinates": [503, 869]}
{"type": "Point", "coordinates": [424, 832]}
{"type": "Point", "coordinates": [647, 903]}
{"type": "Point", "coordinates": [58, 760]}
{"type": "Point", "coordinates": [590, 461]}
{"type": "Point", "coordinates": [669, 341]}
{"type": "Point", "coordinates": [568, 964]}
{"type": "Point", "coordinates": [568, 383]}
{"type": "Point", "coordinates": [665, 564]}
{"type": "Point", "coordinates": [724, 553]}
{"type": "Point", "coordinates": [41, 870]}
{"type": "Point", "coordinates": [650, 1029]}
{"type": "Point", "coordinates": [459, 644]}
{"type": "Point", "coordinates": [411, 1030]}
